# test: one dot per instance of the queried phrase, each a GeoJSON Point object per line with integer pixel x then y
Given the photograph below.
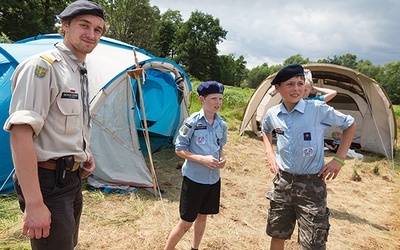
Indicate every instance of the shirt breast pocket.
{"type": "Point", "coordinates": [219, 134]}
{"type": "Point", "coordinates": [200, 136]}
{"type": "Point", "coordinates": [68, 119]}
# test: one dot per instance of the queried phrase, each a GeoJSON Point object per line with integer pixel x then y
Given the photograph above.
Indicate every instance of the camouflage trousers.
{"type": "Point", "coordinates": [301, 198]}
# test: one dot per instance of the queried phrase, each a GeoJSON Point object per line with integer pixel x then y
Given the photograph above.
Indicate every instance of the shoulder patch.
{"type": "Point", "coordinates": [185, 131]}
{"type": "Point", "coordinates": [40, 71]}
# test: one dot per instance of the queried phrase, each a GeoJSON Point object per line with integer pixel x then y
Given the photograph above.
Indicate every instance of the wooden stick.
{"type": "Point", "coordinates": [137, 73]}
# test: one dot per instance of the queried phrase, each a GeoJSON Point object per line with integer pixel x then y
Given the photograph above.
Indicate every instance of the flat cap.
{"type": "Point", "coordinates": [288, 72]}
{"type": "Point", "coordinates": [210, 87]}
{"type": "Point", "coordinates": [82, 7]}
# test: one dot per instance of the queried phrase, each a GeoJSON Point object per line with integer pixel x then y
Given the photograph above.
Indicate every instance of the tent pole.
{"type": "Point", "coordinates": [137, 73]}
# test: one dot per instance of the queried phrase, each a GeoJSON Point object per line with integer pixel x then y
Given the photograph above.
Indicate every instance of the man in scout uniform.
{"type": "Point", "coordinates": [49, 127]}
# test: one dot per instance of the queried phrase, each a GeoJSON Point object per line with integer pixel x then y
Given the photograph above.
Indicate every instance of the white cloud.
{"type": "Point", "coordinates": [267, 31]}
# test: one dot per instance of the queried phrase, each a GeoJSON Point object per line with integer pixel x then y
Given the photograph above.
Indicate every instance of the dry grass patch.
{"type": "Point", "coordinates": [364, 212]}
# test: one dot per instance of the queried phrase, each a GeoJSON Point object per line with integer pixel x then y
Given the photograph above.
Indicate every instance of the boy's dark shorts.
{"type": "Point", "coordinates": [301, 198]}
{"type": "Point", "coordinates": [198, 198]}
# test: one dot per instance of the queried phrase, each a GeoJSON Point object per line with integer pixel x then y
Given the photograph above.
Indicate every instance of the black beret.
{"type": "Point", "coordinates": [288, 72]}
{"type": "Point", "coordinates": [211, 87]}
{"type": "Point", "coordinates": [82, 7]}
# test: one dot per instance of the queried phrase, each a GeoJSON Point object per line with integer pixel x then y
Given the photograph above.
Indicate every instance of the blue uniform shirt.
{"type": "Point", "coordinates": [300, 134]}
{"type": "Point", "coordinates": [199, 137]}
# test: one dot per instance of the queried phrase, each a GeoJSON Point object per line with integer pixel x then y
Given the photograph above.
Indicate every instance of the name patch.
{"type": "Point", "coordinates": [69, 95]}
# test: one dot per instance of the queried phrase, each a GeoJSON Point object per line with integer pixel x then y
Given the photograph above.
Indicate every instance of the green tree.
{"type": "Point", "coordinates": [348, 60]}
{"type": "Point", "coordinates": [20, 19]}
{"type": "Point", "coordinates": [197, 50]}
{"type": "Point", "coordinates": [257, 75]}
{"type": "Point", "coordinates": [367, 68]}
{"type": "Point", "coordinates": [171, 22]}
{"type": "Point", "coordinates": [4, 38]}
{"type": "Point", "coordinates": [232, 71]}
{"type": "Point", "coordinates": [133, 22]}
{"type": "Point", "coordinates": [240, 71]}
{"type": "Point", "coordinates": [389, 78]}
{"type": "Point", "coordinates": [296, 59]}
{"type": "Point", "coordinates": [227, 69]}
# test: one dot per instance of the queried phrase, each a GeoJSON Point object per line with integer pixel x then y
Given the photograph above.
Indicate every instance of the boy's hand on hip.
{"type": "Point", "coordinates": [330, 170]}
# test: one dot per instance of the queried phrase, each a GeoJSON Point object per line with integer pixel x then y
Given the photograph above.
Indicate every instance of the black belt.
{"type": "Point", "coordinates": [299, 176]}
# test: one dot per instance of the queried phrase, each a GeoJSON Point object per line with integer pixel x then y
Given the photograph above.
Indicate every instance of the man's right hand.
{"type": "Point", "coordinates": [36, 222]}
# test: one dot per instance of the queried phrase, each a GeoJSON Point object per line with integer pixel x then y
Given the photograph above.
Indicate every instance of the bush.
{"type": "Point", "coordinates": [233, 106]}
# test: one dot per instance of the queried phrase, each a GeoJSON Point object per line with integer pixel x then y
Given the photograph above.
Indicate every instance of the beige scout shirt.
{"type": "Point", "coordinates": [47, 96]}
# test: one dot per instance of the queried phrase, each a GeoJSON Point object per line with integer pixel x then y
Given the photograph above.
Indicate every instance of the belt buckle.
{"type": "Point", "coordinates": [75, 166]}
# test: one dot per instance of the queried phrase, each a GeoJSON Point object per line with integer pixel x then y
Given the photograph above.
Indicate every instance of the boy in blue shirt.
{"type": "Point", "coordinates": [200, 142]}
{"type": "Point", "coordinates": [299, 191]}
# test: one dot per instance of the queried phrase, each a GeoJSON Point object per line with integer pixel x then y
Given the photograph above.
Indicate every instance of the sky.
{"type": "Point", "coordinates": [270, 31]}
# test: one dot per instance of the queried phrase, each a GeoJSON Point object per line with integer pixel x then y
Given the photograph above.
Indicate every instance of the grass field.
{"type": "Point", "coordinates": [365, 211]}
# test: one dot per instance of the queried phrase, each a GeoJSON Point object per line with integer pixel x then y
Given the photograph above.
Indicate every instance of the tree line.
{"type": "Point", "coordinates": [191, 43]}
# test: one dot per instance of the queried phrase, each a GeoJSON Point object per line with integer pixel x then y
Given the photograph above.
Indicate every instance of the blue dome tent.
{"type": "Point", "coordinates": [117, 142]}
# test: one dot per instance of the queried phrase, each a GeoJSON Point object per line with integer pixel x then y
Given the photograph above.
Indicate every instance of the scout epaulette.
{"type": "Point", "coordinates": [50, 57]}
